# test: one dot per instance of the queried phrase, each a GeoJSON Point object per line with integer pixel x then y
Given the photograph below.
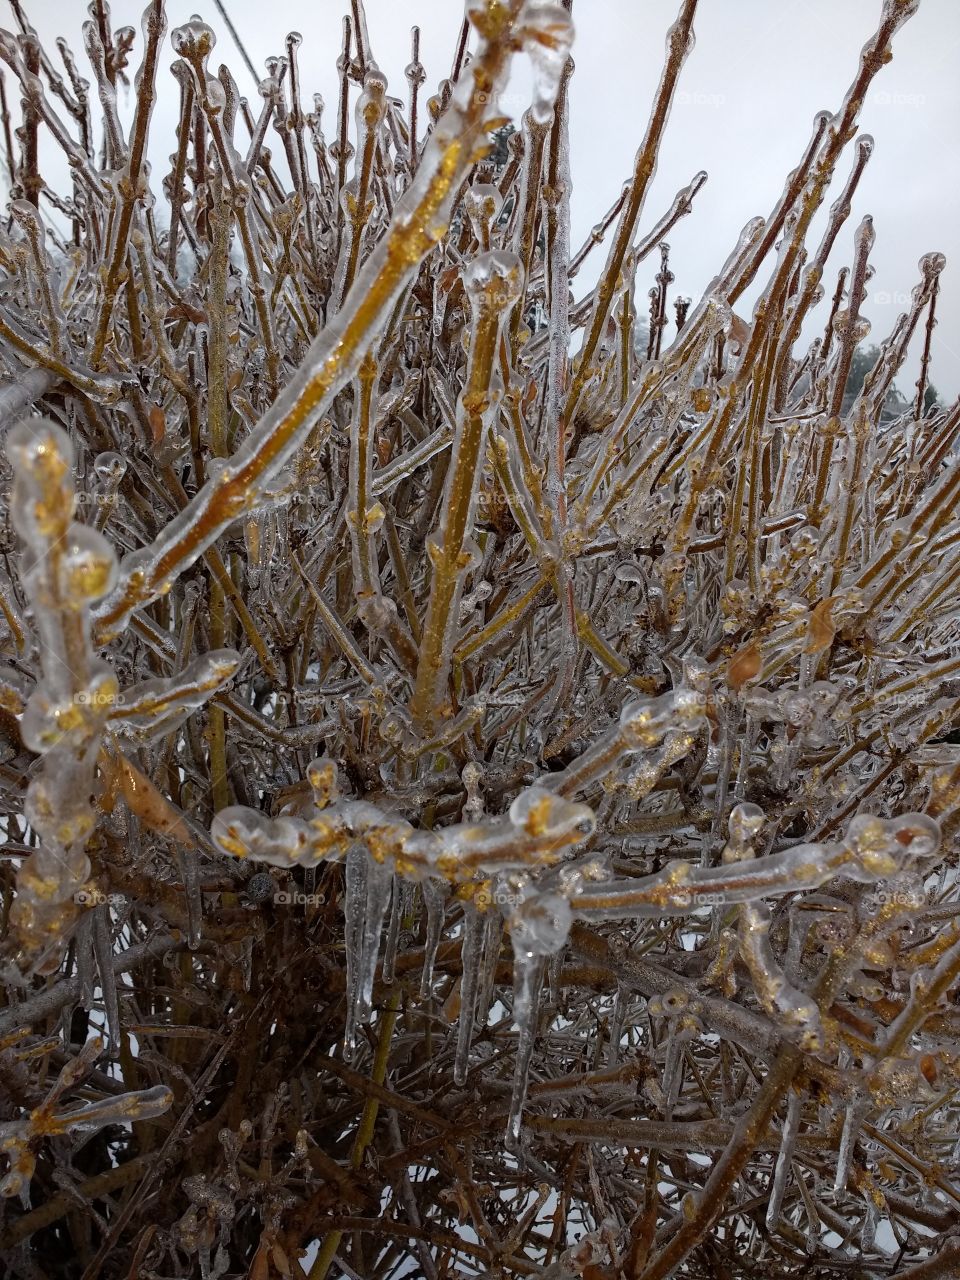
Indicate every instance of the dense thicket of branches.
{"type": "Point", "coordinates": [469, 808]}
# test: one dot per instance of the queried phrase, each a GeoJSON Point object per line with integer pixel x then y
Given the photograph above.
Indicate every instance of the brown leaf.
{"type": "Point", "coordinates": [746, 664]}
{"type": "Point", "coordinates": [822, 627]}
{"type": "Point", "coordinates": [150, 805]}
{"type": "Point", "coordinates": [158, 423]}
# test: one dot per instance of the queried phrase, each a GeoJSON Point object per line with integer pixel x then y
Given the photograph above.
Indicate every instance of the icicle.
{"type": "Point", "coordinates": [471, 951]}
{"type": "Point", "coordinates": [871, 1218]}
{"type": "Point", "coordinates": [848, 1141]}
{"type": "Point", "coordinates": [85, 959]}
{"type": "Point", "coordinates": [103, 949]}
{"type": "Point", "coordinates": [369, 885]}
{"type": "Point", "coordinates": [788, 1137]}
{"type": "Point", "coordinates": [434, 902]}
{"type": "Point", "coordinates": [617, 1015]}
{"type": "Point", "coordinates": [672, 1074]}
{"type": "Point", "coordinates": [354, 913]}
{"type": "Point", "coordinates": [547, 34]}
{"type": "Point", "coordinates": [190, 875]}
{"type": "Point", "coordinates": [492, 936]}
{"type": "Point", "coordinates": [246, 961]}
{"type": "Point", "coordinates": [683, 1024]}
{"type": "Point", "coordinates": [379, 887]}
{"type": "Point", "coordinates": [539, 926]}
{"type": "Point", "coordinates": [400, 907]}
{"type": "Point", "coordinates": [527, 982]}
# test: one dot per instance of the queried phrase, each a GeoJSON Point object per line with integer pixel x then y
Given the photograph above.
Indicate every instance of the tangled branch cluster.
{"type": "Point", "coordinates": [486, 810]}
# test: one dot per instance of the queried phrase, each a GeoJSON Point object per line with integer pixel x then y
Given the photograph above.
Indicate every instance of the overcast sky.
{"type": "Point", "coordinates": [760, 71]}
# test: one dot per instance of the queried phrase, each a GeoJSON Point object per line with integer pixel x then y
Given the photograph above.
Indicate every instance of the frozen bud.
{"type": "Point", "coordinates": [109, 469]}
{"type": "Point", "coordinates": [396, 726]}
{"type": "Point", "coordinates": [745, 824]}
{"type": "Point", "coordinates": [493, 280]}
{"type": "Point", "coordinates": [14, 690]}
{"type": "Point", "coordinates": [482, 202]}
{"type": "Point", "coordinates": [322, 775]}
{"type": "Point", "coordinates": [901, 1081]}
{"type": "Point", "coordinates": [645, 721]}
{"type": "Point", "coordinates": [860, 324]}
{"type": "Point", "coordinates": [244, 833]}
{"type": "Point", "coordinates": [47, 722]}
{"type": "Point", "coordinates": [917, 833]}
{"type": "Point", "coordinates": [542, 814]}
{"type": "Point", "coordinates": [88, 567]}
{"type": "Point", "coordinates": [672, 1003]}
{"type": "Point", "coordinates": [372, 103]}
{"type": "Point", "coordinates": [931, 264]}
{"type": "Point", "coordinates": [880, 847]}
{"type": "Point", "coordinates": [193, 41]}
{"type": "Point", "coordinates": [415, 73]}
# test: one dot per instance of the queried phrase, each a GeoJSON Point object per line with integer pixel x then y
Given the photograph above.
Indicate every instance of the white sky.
{"type": "Point", "coordinates": [760, 71]}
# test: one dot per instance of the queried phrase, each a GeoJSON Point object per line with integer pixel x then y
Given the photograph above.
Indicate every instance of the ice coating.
{"type": "Point", "coordinates": [872, 848]}
{"type": "Point", "coordinates": [547, 825]}
{"type": "Point", "coordinates": [158, 706]}
{"type": "Point", "coordinates": [719, 936]}
{"type": "Point", "coordinates": [21, 1139]}
{"type": "Point", "coordinates": [492, 282]}
{"type": "Point", "coordinates": [547, 35]}
{"type": "Point", "coordinates": [70, 566]}
{"type": "Point", "coordinates": [797, 1011]}
{"type": "Point", "coordinates": [333, 358]}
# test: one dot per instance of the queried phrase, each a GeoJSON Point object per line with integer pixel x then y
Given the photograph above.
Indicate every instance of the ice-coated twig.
{"type": "Point", "coordinates": [67, 568]}
{"type": "Point", "coordinates": [20, 1139]}
{"type": "Point", "coordinates": [872, 849]}
{"type": "Point", "coordinates": [781, 1172]}
{"type": "Point", "coordinates": [335, 356]}
{"type": "Point", "coordinates": [493, 284]}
